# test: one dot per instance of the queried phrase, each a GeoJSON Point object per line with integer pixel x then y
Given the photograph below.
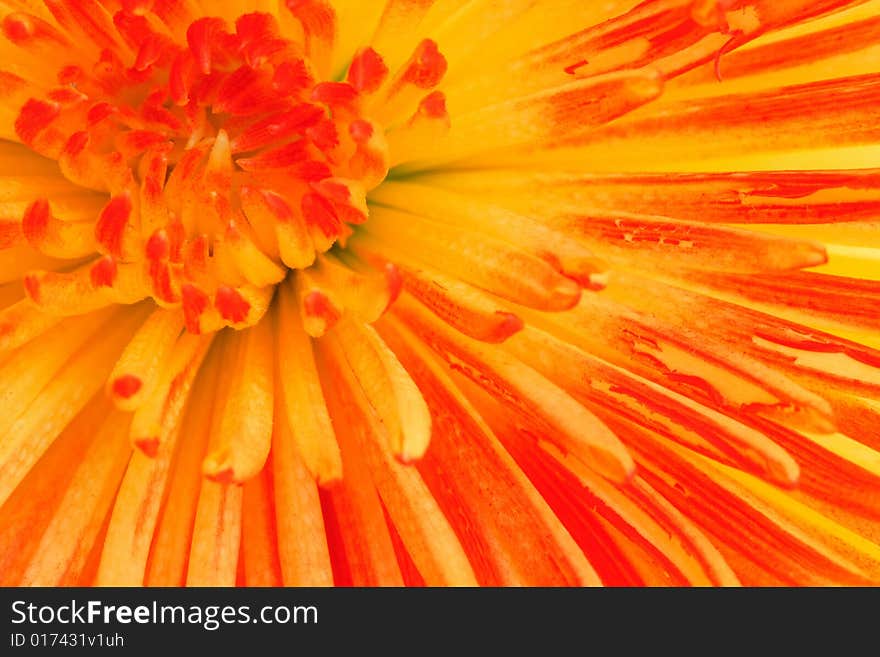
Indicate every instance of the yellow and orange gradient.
{"type": "Point", "coordinates": [445, 292]}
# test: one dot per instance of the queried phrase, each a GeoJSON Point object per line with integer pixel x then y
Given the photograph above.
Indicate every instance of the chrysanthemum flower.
{"type": "Point", "coordinates": [535, 292]}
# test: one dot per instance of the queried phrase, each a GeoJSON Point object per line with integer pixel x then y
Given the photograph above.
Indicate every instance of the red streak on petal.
{"type": "Point", "coordinates": [334, 191]}
{"type": "Point", "coordinates": [200, 36]}
{"type": "Point", "coordinates": [135, 142]}
{"type": "Point", "coordinates": [820, 343]}
{"type": "Point", "coordinates": [194, 302]}
{"type": "Point", "coordinates": [154, 176]}
{"type": "Point", "coordinates": [836, 296]}
{"type": "Point", "coordinates": [324, 135]}
{"type": "Point", "coordinates": [99, 112]}
{"type": "Point", "coordinates": [311, 171]}
{"type": "Point", "coordinates": [426, 67]}
{"type": "Point", "coordinates": [148, 445]}
{"type": "Point", "coordinates": [339, 562]}
{"type": "Point", "coordinates": [204, 88]}
{"type": "Point", "coordinates": [433, 106]}
{"type": "Point", "coordinates": [360, 130]}
{"type": "Point", "coordinates": [18, 27]}
{"type": "Point", "coordinates": [257, 36]}
{"type": "Point", "coordinates": [394, 281]}
{"type": "Point", "coordinates": [344, 202]}
{"type": "Point", "coordinates": [334, 93]}
{"type": "Point", "coordinates": [162, 282]}
{"type": "Point", "coordinates": [111, 223]}
{"type": "Point", "coordinates": [35, 221]}
{"type": "Point", "coordinates": [103, 272]}
{"type": "Point", "coordinates": [152, 110]}
{"type": "Point", "coordinates": [256, 53]}
{"type": "Point", "coordinates": [133, 27]}
{"type": "Point", "coordinates": [279, 126]}
{"type": "Point", "coordinates": [317, 304]}
{"type": "Point", "coordinates": [245, 91]}
{"type": "Point", "coordinates": [176, 238]}
{"type": "Point", "coordinates": [180, 78]}
{"type": "Point", "coordinates": [511, 324]}
{"type": "Point", "coordinates": [32, 287]}
{"type": "Point", "coordinates": [697, 383]}
{"type": "Point", "coordinates": [188, 164]}
{"type": "Point", "coordinates": [317, 17]}
{"type": "Point", "coordinates": [70, 75]}
{"type": "Point", "coordinates": [10, 233]}
{"type": "Point", "coordinates": [160, 273]}
{"type": "Point", "coordinates": [34, 117]}
{"type": "Point", "coordinates": [231, 305]}
{"type": "Point", "coordinates": [65, 95]}
{"type": "Point", "coordinates": [224, 476]}
{"type": "Point", "coordinates": [278, 206]}
{"type": "Point", "coordinates": [158, 246]}
{"type": "Point", "coordinates": [109, 67]}
{"type": "Point", "coordinates": [572, 68]}
{"type": "Point", "coordinates": [149, 53]}
{"type": "Point", "coordinates": [11, 84]}
{"type": "Point", "coordinates": [126, 386]}
{"type": "Point", "coordinates": [291, 77]}
{"type": "Point", "coordinates": [582, 513]}
{"type": "Point", "coordinates": [72, 14]}
{"type": "Point", "coordinates": [318, 211]}
{"type": "Point", "coordinates": [256, 25]}
{"type": "Point", "coordinates": [195, 254]}
{"type": "Point", "coordinates": [367, 71]}
{"type": "Point", "coordinates": [278, 158]}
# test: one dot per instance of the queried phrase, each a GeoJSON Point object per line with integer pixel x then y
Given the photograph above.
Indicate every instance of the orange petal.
{"type": "Point", "coordinates": [21, 322]}
{"type": "Point", "coordinates": [362, 537]}
{"type": "Point", "coordinates": [814, 115]}
{"type": "Point", "coordinates": [27, 370]}
{"type": "Point", "coordinates": [70, 536]}
{"type": "Point", "coordinates": [170, 547]}
{"type": "Point", "coordinates": [241, 445]}
{"type": "Point", "coordinates": [136, 509]}
{"type": "Point", "coordinates": [607, 386]}
{"type": "Point", "coordinates": [467, 309]}
{"type": "Point", "coordinates": [155, 419]}
{"type": "Point", "coordinates": [388, 388]}
{"type": "Point", "coordinates": [559, 115]}
{"type": "Point", "coordinates": [495, 266]}
{"type": "Point", "coordinates": [547, 409]}
{"type": "Point", "coordinates": [564, 251]}
{"type": "Point", "coordinates": [216, 537]}
{"type": "Point", "coordinates": [423, 529]}
{"type": "Point", "coordinates": [55, 237]}
{"type": "Point", "coordinates": [510, 534]}
{"type": "Point", "coordinates": [60, 400]}
{"type": "Point", "coordinates": [30, 508]}
{"type": "Point", "coordinates": [302, 540]}
{"type": "Point", "coordinates": [259, 542]}
{"type": "Point", "coordinates": [304, 404]}
{"type": "Point", "coordinates": [137, 370]}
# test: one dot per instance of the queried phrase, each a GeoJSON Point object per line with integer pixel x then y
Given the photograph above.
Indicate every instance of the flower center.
{"type": "Point", "coordinates": [228, 157]}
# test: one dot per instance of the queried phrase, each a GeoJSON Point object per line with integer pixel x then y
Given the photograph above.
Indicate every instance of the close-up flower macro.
{"type": "Point", "coordinates": [440, 293]}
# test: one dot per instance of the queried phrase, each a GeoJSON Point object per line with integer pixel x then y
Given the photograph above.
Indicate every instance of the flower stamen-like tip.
{"type": "Point", "coordinates": [228, 160]}
{"type": "Point", "coordinates": [230, 167]}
